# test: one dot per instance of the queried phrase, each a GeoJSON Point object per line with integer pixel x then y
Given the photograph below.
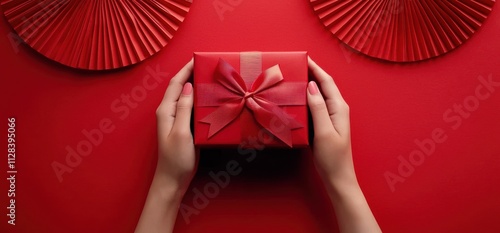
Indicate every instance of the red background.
{"type": "Point", "coordinates": [454, 190]}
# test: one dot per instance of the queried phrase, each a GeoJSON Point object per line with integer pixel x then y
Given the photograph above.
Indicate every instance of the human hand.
{"type": "Point", "coordinates": [332, 136]}
{"type": "Point", "coordinates": [177, 160]}
{"type": "Point", "coordinates": [333, 155]}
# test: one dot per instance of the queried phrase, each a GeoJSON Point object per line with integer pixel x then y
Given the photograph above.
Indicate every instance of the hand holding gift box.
{"type": "Point", "coordinates": [251, 97]}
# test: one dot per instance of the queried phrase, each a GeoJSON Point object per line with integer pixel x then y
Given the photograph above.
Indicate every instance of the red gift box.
{"type": "Point", "coordinates": [250, 99]}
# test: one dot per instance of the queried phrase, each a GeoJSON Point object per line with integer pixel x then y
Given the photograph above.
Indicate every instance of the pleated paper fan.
{"type": "Point", "coordinates": [403, 30]}
{"type": "Point", "coordinates": [96, 34]}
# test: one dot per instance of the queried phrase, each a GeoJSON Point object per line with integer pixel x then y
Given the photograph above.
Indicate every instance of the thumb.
{"type": "Point", "coordinates": [320, 116]}
{"type": "Point", "coordinates": [184, 109]}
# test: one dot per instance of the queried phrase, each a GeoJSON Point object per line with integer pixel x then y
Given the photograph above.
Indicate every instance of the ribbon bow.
{"type": "Point", "coordinates": [233, 96]}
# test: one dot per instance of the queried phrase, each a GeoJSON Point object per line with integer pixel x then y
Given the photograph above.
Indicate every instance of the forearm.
{"type": "Point", "coordinates": [352, 210]}
{"type": "Point", "coordinates": [162, 204]}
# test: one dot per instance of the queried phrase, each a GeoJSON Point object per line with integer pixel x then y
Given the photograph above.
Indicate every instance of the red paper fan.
{"type": "Point", "coordinates": [96, 34]}
{"type": "Point", "coordinates": [403, 31]}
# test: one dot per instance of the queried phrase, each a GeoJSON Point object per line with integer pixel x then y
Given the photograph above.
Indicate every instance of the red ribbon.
{"type": "Point", "coordinates": [231, 95]}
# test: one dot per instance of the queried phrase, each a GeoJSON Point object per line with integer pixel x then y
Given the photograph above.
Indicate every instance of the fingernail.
{"type": "Point", "coordinates": [313, 88]}
{"type": "Point", "coordinates": [187, 89]}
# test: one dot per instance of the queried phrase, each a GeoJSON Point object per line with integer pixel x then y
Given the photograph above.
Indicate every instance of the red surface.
{"type": "Point", "coordinates": [455, 189]}
{"type": "Point", "coordinates": [243, 127]}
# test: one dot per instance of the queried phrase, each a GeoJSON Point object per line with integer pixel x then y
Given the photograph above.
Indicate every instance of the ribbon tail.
{"type": "Point", "coordinates": [274, 125]}
{"type": "Point", "coordinates": [274, 119]}
{"type": "Point", "coordinates": [223, 116]}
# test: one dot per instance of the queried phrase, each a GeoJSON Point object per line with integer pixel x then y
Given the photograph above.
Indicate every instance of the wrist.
{"type": "Point", "coordinates": [342, 185]}
{"type": "Point", "coordinates": [171, 179]}
{"type": "Point", "coordinates": [166, 189]}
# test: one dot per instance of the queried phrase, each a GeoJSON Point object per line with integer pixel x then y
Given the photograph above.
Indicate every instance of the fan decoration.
{"type": "Point", "coordinates": [403, 30]}
{"type": "Point", "coordinates": [96, 34]}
